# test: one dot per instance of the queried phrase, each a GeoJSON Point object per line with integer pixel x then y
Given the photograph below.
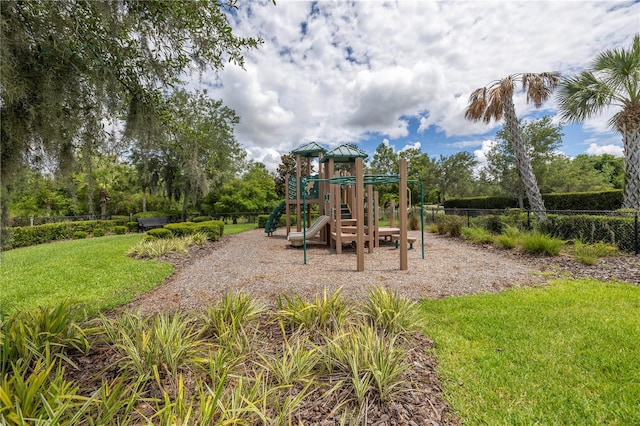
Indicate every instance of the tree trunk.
{"type": "Point", "coordinates": [632, 167]}
{"type": "Point", "coordinates": [185, 202]}
{"type": "Point", "coordinates": [523, 162]}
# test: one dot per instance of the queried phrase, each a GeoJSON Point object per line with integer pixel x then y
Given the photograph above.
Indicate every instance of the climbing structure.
{"type": "Point", "coordinates": [342, 193]}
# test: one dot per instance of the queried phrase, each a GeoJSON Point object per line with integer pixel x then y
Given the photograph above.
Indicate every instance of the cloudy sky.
{"type": "Point", "coordinates": [401, 71]}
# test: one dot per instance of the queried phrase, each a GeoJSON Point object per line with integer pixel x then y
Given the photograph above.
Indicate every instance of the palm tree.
{"type": "Point", "coordinates": [613, 80]}
{"type": "Point", "coordinates": [495, 101]}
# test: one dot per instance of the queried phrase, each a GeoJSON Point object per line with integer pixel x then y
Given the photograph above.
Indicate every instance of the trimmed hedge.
{"type": "Point", "coordinates": [601, 200]}
{"type": "Point", "coordinates": [213, 228]}
{"type": "Point", "coordinates": [158, 233]}
{"type": "Point", "coordinates": [24, 236]}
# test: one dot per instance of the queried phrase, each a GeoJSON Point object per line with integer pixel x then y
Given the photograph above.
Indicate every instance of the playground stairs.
{"type": "Point", "coordinates": [274, 218]}
{"type": "Point", "coordinates": [345, 211]}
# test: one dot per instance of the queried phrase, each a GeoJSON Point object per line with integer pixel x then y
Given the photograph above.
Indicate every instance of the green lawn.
{"type": "Point", "coordinates": [564, 354]}
{"type": "Point", "coordinates": [238, 228]}
{"type": "Point", "coordinates": [94, 271]}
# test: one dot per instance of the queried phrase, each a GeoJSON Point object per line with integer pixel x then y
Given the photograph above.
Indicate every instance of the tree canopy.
{"type": "Point", "coordinates": [70, 65]}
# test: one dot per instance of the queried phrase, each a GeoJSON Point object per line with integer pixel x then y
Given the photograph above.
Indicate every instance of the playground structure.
{"type": "Point", "coordinates": [346, 203]}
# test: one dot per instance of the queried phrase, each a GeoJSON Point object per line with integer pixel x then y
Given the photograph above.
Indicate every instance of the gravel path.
{"type": "Point", "coordinates": [266, 266]}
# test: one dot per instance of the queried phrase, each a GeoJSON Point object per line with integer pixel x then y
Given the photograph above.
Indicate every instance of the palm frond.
{"type": "Point", "coordinates": [583, 96]}
{"type": "Point", "coordinates": [497, 97]}
{"type": "Point", "coordinates": [477, 104]}
{"type": "Point", "coordinates": [539, 86]}
{"type": "Point", "coordinates": [620, 69]}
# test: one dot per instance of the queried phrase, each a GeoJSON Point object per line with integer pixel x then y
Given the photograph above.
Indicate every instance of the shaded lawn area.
{"type": "Point", "coordinates": [567, 353]}
{"type": "Point", "coordinates": [94, 272]}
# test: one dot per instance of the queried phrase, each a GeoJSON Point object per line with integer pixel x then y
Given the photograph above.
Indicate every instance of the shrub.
{"type": "Point", "coordinates": [99, 232]}
{"type": "Point", "coordinates": [391, 313]}
{"type": "Point", "coordinates": [414, 223]}
{"type": "Point", "coordinates": [478, 235]}
{"type": "Point", "coordinates": [120, 230]}
{"type": "Point", "coordinates": [78, 235]}
{"type": "Point", "coordinates": [210, 228]}
{"type": "Point", "coordinates": [509, 238]}
{"type": "Point", "coordinates": [158, 233]}
{"type": "Point", "coordinates": [454, 225]}
{"type": "Point", "coordinates": [180, 229]}
{"type": "Point", "coordinates": [132, 226]}
{"type": "Point", "coordinates": [198, 219]}
{"type": "Point", "coordinates": [590, 253]}
{"type": "Point", "coordinates": [539, 243]}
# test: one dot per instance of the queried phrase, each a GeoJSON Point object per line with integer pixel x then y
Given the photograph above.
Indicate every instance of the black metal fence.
{"type": "Point", "coordinates": [618, 227]}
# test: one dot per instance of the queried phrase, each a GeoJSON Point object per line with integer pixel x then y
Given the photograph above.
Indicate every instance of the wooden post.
{"type": "Point", "coordinates": [287, 209]}
{"type": "Point", "coordinates": [371, 229]}
{"type": "Point", "coordinates": [298, 193]}
{"type": "Point", "coordinates": [338, 223]}
{"type": "Point", "coordinates": [392, 214]}
{"type": "Point", "coordinates": [376, 201]}
{"type": "Point", "coordinates": [359, 201]}
{"type": "Point", "coordinates": [308, 175]}
{"type": "Point", "coordinates": [402, 209]}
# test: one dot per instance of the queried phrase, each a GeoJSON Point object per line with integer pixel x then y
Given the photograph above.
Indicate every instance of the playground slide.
{"type": "Point", "coordinates": [297, 238]}
{"type": "Point", "coordinates": [272, 222]}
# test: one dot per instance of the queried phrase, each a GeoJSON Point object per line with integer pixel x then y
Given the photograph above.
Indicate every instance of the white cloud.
{"type": "Point", "coordinates": [481, 154]}
{"type": "Point", "coordinates": [336, 72]}
{"type": "Point", "coordinates": [595, 149]}
{"type": "Point", "coordinates": [415, 145]}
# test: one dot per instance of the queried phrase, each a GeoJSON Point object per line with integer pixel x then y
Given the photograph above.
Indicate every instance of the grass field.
{"type": "Point", "coordinates": [564, 354]}
{"type": "Point", "coordinates": [94, 272]}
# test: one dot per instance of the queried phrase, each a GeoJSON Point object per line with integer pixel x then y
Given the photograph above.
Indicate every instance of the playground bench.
{"type": "Point", "coordinates": [146, 223]}
{"type": "Point", "coordinates": [410, 240]}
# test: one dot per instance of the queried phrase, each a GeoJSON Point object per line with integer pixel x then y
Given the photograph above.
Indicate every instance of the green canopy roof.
{"type": "Point", "coordinates": [310, 149]}
{"type": "Point", "coordinates": [344, 154]}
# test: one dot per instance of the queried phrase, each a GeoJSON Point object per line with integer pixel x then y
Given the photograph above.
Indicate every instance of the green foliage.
{"type": "Point", "coordinates": [616, 230]}
{"type": "Point", "coordinates": [24, 236]}
{"type": "Point", "coordinates": [45, 331]}
{"type": "Point", "coordinates": [132, 226]}
{"type": "Point", "coordinates": [164, 343]}
{"type": "Point", "coordinates": [231, 319]}
{"type": "Point", "coordinates": [324, 314]}
{"type": "Point", "coordinates": [120, 230]}
{"type": "Point", "coordinates": [78, 235]}
{"type": "Point", "coordinates": [510, 238]}
{"type": "Point", "coordinates": [538, 243]}
{"type": "Point", "coordinates": [590, 253]}
{"type": "Point", "coordinates": [391, 313]}
{"type": "Point", "coordinates": [201, 219]}
{"type": "Point", "coordinates": [599, 200]}
{"type": "Point", "coordinates": [158, 247]}
{"type": "Point", "coordinates": [453, 225]}
{"type": "Point", "coordinates": [371, 361]}
{"type": "Point", "coordinates": [180, 229]}
{"type": "Point", "coordinates": [158, 233]}
{"type": "Point", "coordinates": [99, 232]}
{"type": "Point", "coordinates": [478, 235]}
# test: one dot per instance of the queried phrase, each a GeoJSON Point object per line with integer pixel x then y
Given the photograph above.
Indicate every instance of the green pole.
{"type": "Point", "coordinates": [422, 216]}
{"type": "Point", "coordinates": [304, 220]}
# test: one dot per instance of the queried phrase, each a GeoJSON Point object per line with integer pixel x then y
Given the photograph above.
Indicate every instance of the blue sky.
{"type": "Point", "coordinates": [400, 72]}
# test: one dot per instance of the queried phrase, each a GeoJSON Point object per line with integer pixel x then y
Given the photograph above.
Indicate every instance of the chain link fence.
{"type": "Point", "coordinates": [618, 227]}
